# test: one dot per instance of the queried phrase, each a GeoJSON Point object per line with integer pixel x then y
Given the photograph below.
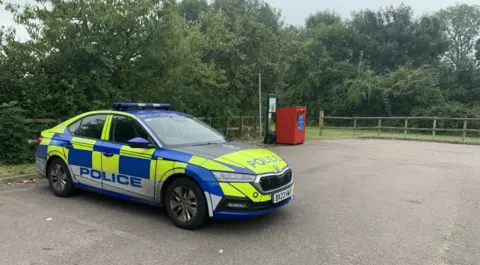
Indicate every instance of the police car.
{"type": "Point", "coordinates": [146, 153]}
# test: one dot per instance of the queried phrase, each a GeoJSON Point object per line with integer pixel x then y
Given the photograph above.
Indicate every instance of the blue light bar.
{"type": "Point", "coordinates": [131, 105]}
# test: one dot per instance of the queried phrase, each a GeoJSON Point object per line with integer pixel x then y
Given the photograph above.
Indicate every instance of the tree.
{"type": "Point", "coordinates": [392, 37]}
{"type": "Point", "coordinates": [462, 25]}
{"type": "Point", "coordinates": [136, 50]}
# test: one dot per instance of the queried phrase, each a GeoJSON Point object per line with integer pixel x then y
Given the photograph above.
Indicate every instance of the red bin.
{"type": "Point", "coordinates": [291, 125]}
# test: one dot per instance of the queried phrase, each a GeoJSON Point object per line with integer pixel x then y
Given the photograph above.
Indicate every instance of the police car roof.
{"type": "Point", "coordinates": [145, 113]}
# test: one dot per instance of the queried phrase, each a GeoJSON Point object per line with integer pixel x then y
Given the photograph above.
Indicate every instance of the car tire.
{"type": "Point", "coordinates": [185, 204]}
{"type": "Point", "coordinates": [59, 178]}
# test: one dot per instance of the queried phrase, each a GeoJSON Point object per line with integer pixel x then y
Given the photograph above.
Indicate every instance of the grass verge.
{"type": "Point", "coordinates": [16, 170]}
{"type": "Point", "coordinates": [312, 133]}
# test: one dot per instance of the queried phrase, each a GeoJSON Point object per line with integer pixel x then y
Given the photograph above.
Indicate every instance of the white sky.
{"type": "Point", "coordinates": [295, 11]}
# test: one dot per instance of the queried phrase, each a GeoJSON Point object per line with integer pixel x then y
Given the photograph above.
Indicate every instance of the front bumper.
{"type": "Point", "coordinates": [255, 209]}
{"type": "Point", "coordinates": [244, 200]}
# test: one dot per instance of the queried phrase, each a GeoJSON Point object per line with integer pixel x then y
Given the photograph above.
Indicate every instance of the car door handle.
{"type": "Point", "coordinates": [69, 146]}
{"type": "Point", "coordinates": [108, 154]}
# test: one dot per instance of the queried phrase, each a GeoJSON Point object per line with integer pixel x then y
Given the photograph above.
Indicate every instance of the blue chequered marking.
{"type": "Point", "coordinates": [212, 187]}
{"type": "Point", "coordinates": [41, 151]}
{"type": "Point", "coordinates": [134, 166]}
{"type": "Point", "coordinates": [80, 158]}
{"type": "Point", "coordinates": [202, 173]}
{"type": "Point", "coordinates": [237, 169]}
{"type": "Point", "coordinates": [172, 155]}
{"type": "Point", "coordinates": [63, 136]}
{"type": "Point", "coordinates": [107, 147]}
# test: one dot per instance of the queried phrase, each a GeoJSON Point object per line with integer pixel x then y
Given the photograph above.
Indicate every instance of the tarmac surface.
{"type": "Point", "coordinates": [364, 202]}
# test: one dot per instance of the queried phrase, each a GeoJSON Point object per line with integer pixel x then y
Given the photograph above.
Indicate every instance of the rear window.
{"type": "Point", "coordinates": [88, 127]}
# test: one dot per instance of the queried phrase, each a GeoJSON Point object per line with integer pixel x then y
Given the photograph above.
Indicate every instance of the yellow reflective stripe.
{"type": "Point", "coordinates": [249, 190]}
{"type": "Point", "coordinates": [66, 152]}
{"type": "Point", "coordinates": [97, 160]}
{"type": "Point", "coordinates": [167, 175]}
{"type": "Point", "coordinates": [45, 141]}
{"type": "Point", "coordinates": [209, 164]}
{"type": "Point", "coordinates": [153, 168]}
{"type": "Point", "coordinates": [164, 169]}
{"type": "Point", "coordinates": [83, 144]}
{"type": "Point", "coordinates": [179, 170]}
{"type": "Point", "coordinates": [196, 160]}
{"type": "Point", "coordinates": [254, 156]}
{"type": "Point", "coordinates": [106, 112]}
{"type": "Point", "coordinates": [226, 161]}
{"type": "Point", "coordinates": [228, 190]}
{"type": "Point", "coordinates": [111, 164]}
{"type": "Point", "coordinates": [57, 150]}
{"type": "Point", "coordinates": [145, 153]}
{"type": "Point", "coordinates": [59, 128]}
{"type": "Point", "coordinates": [83, 140]}
{"type": "Point", "coordinates": [106, 128]}
{"type": "Point", "coordinates": [47, 134]}
{"type": "Point", "coordinates": [212, 165]}
{"type": "Point", "coordinates": [179, 167]}
{"type": "Point", "coordinates": [266, 198]}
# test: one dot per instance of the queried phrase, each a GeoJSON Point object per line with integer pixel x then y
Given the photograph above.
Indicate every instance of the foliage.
{"type": "Point", "coordinates": [204, 57]}
{"type": "Point", "coordinates": [462, 26]}
{"type": "Point", "coordinates": [14, 148]}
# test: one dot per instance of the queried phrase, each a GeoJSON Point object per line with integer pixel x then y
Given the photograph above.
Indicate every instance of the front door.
{"type": "Point", "coordinates": [128, 171]}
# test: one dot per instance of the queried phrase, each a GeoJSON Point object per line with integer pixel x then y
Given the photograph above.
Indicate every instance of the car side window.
{"type": "Point", "coordinates": [74, 127]}
{"type": "Point", "coordinates": [89, 127]}
{"type": "Point", "coordinates": [125, 128]}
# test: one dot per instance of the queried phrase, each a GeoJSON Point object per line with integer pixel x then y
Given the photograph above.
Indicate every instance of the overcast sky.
{"type": "Point", "coordinates": [295, 11]}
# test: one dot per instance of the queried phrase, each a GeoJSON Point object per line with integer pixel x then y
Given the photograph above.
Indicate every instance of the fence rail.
{"type": "Point", "coordinates": [405, 128]}
{"type": "Point", "coordinates": [238, 126]}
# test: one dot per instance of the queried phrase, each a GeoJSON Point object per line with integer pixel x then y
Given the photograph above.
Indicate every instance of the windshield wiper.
{"type": "Point", "coordinates": [203, 144]}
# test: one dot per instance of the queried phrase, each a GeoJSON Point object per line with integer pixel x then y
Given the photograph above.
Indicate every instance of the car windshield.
{"type": "Point", "coordinates": [183, 131]}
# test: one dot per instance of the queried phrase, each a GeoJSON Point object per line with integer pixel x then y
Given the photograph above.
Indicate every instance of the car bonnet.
{"type": "Point", "coordinates": [239, 157]}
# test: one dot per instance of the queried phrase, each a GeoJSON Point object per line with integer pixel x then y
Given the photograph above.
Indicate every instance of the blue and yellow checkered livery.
{"type": "Point", "coordinates": [143, 174]}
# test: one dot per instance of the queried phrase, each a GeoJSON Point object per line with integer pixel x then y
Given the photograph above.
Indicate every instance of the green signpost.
{"type": "Point", "coordinates": [271, 108]}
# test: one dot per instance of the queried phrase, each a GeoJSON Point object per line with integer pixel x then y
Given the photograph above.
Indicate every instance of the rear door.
{"type": "Point", "coordinates": [84, 162]}
{"type": "Point", "coordinates": [128, 171]}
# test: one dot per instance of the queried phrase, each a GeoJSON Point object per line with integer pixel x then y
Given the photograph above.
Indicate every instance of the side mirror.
{"type": "Point", "coordinates": [139, 142]}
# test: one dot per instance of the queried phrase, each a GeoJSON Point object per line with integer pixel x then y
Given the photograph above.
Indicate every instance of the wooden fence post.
{"type": "Point", "coordinates": [354, 125]}
{"type": "Point", "coordinates": [379, 125]}
{"type": "Point", "coordinates": [434, 128]}
{"type": "Point", "coordinates": [320, 124]}
{"type": "Point", "coordinates": [464, 130]}
{"type": "Point", "coordinates": [405, 128]}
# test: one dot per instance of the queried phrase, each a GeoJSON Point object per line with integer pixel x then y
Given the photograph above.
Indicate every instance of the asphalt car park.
{"type": "Point", "coordinates": [357, 202]}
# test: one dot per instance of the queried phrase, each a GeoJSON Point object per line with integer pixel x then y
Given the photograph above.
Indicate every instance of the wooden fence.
{"type": "Point", "coordinates": [405, 128]}
{"type": "Point", "coordinates": [247, 127]}
{"type": "Point", "coordinates": [39, 121]}
{"type": "Point", "coordinates": [243, 127]}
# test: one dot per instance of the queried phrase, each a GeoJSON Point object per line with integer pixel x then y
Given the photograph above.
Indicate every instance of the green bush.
{"type": "Point", "coordinates": [14, 148]}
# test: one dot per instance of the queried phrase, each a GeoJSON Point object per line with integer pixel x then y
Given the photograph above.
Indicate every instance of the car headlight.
{"type": "Point", "coordinates": [233, 177]}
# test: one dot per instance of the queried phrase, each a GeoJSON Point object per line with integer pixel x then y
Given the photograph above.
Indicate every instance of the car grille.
{"type": "Point", "coordinates": [276, 181]}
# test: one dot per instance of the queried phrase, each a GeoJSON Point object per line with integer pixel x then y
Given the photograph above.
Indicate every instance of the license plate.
{"type": "Point", "coordinates": [280, 196]}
